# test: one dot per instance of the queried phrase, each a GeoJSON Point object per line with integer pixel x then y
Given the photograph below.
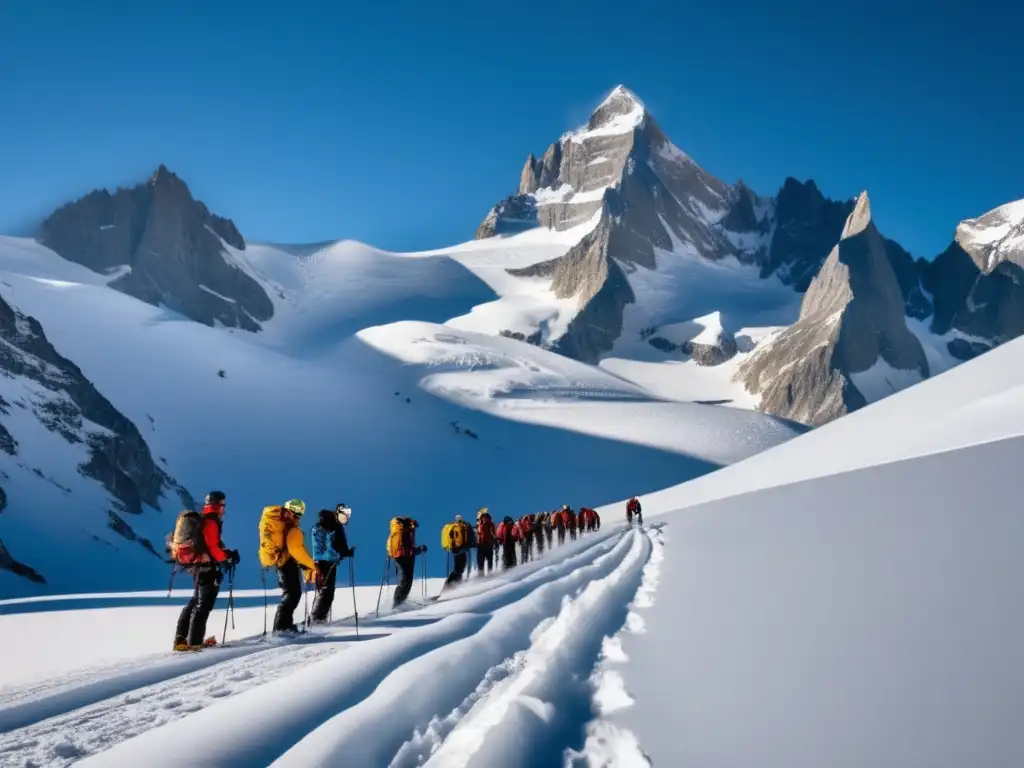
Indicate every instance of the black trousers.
{"type": "Point", "coordinates": [540, 541]}
{"type": "Point", "coordinates": [193, 617]}
{"type": "Point", "coordinates": [289, 579]}
{"type": "Point", "coordinates": [550, 533]}
{"type": "Point", "coordinates": [406, 573]}
{"type": "Point", "coordinates": [325, 589]}
{"type": "Point", "coordinates": [459, 562]}
{"type": "Point", "coordinates": [524, 548]}
{"type": "Point", "coordinates": [485, 555]}
{"type": "Point", "coordinates": [561, 536]}
{"type": "Point", "coordinates": [508, 554]}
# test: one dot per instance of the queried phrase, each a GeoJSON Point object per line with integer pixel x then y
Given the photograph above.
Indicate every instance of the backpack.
{"type": "Point", "coordinates": [454, 536]}
{"type": "Point", "coordinates": [558, 520]}
{"type": "Point", "coordinates": [323, 545]}
{"type": "Point", "coordinates": [485, 529]}
{"type": "Point", "coordinates": [633, 506]}
{"type": "Point", "coordinates": [401, 538]}
{"type": "Point", "coordinates": [525, 526]}
{"type": "Point", "coordinates": [274, 529]}
{"type": "Point", "coordinates": [186, 545]}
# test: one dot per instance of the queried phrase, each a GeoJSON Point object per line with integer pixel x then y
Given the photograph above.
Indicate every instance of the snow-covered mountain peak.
{"type": "Point", "coordinates": [994, 237]}
{"type": "Point", "coordinates": [860, 218]}
{"type": "Point", "coordinates": [621, 112]}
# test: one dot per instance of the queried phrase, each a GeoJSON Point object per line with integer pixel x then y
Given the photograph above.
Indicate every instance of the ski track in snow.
{"type": "Point", "coordinates": [608, 744]}
{"type": "Point", "coordinates": [525, 647]}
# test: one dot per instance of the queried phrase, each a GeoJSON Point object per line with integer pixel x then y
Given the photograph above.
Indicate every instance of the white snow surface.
{"type": "Point", "coordinates": [846, 598]}
{"type": "Point", "coordinates": [332, 395]}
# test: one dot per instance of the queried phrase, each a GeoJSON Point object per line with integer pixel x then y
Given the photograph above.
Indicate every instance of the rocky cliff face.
{"type": "Point", "coordinates": [66, 403]}
{"type": "Point", "coordinates": [852, 317]}
{"type": "Point", "coordinates": [168, 248]}
{"type": "Point", "coordinates": [977, 283]}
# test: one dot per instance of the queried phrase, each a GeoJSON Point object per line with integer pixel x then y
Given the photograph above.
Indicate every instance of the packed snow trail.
{"type": "Point", "coordinates": [389, 699]}
{"type": "Point", "coordinates": [438, 682]}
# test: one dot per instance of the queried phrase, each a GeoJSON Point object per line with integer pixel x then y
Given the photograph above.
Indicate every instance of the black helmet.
{"type": "Point", "coordinates": [215, 497]}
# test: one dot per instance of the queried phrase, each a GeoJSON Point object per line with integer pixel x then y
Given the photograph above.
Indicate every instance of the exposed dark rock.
{"type": "Point", "coordinates": [963, 349]}
{"type": "Point", "coordinates": [711, 354]}
{"type": "Point", "coordinates": [978, 282]}
{"type": "Point", "coordinates": [171, 245]}
{"type": "Point", "coordinates": [117, 524]}
{"type": "Point", "coordinates": [533, 338]}
{"type": "Point", "coordinates": [908, 274]}
{"type": "Point", "coordinates": [807, 226]}
{"type": "Point", "coordinates": [8, 563]}
{"type": "Point", "coordinates": [119, 458]}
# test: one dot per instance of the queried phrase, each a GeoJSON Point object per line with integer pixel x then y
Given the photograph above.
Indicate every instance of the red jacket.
{"type": "Point", "coordinates": [485, 531]}
{"type": "Point", "coordinates": [509, 533]}
{"type": "Point", "coordinates": [570, 519]}
{"type": "Point", "coordinates": [211, 534]}
{"type": "Point", "coordinates": [525, 526]}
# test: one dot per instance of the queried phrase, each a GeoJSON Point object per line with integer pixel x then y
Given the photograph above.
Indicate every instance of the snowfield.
{"type": "Point", "coordinates": [847, 598]}
{"type": "Point", "coordinates": [337, 398]}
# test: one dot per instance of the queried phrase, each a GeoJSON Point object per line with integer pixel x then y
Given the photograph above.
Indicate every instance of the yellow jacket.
{"type": "Point", "coordinates": [296, 545]}
{"type": "Point", "coordinates": [281, 541]}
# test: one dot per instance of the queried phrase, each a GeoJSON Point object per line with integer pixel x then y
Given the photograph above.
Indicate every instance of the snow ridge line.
{"type": "Point", "coordinates": [371, 680]}
{"type": "Point", "coordinates": [523, 718]}
{"type": "Point", "coordinates": [415, 694]}
{"type": "Point", "coordinates": [608, 743]}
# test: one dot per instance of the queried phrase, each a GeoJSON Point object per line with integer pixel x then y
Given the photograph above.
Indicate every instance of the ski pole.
{"type": "Point", "coordinates": [305, 601]}
{"type": "Point", "coordinates": [387, 565]}
{"type": "Point", "coordinates": [263, 578]}
{"type": "Point", "coordinates": [230, 606]}
{"type": "Point", "coordinates": [352, 583]}
{"type": "Point", "coordinates": [170, 584]}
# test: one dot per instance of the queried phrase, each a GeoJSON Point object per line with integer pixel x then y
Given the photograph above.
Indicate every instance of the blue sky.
{"type": "Point", "coordinates": [401, 123]}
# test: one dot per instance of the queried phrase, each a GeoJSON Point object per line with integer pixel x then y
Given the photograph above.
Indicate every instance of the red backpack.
{"type": "Point", "coordinates": [525, 525]}
{"type": "Point", "coordinates": [485, 529]}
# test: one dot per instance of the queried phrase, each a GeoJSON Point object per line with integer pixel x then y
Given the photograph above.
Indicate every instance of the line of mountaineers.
{"type": "Point", "coordinates": [196, 547]}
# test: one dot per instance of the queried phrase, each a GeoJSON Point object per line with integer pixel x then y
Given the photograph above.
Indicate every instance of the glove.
{"type": "Point", "coordinates": [351, 552]}
{"type": "Point", "coordinates": [312, 574]}
{"type": "Point", "coordinates": [421, 549]}
{"type": "Point", "coordinates": [233, 557]}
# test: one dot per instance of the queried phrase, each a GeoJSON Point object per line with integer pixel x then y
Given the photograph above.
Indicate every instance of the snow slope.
{"type": "Point", "coordinates": [847, 598]}
{"type": "Point", "coordinates": [308, 408]}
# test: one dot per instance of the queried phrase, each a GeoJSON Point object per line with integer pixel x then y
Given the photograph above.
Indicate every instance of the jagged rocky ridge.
{"type": "Point", "coordinates": [648, 196]}
{"type": "Point", "coordinates": [643, 195]}
{"type": "Point", "coordinates": [163, 247]}
{"type": "Point", "coordinates": [851, 318]}
{"type": "Point", "coordinates": [65, 402]}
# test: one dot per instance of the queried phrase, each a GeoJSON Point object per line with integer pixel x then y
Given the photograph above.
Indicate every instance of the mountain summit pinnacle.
{"type": "Point", "coordinates": [619, 103]}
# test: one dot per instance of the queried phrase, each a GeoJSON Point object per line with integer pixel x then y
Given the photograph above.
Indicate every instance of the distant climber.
{"type": "Point", "coordinates": [401, 548]}
{"type": "Point", "coordinates": [508, 535]}
{"type": "Point", "coordinates": [457, 538]}
{"type": "Point", "coordinates": [527, 531]}
{"type": "Point", "coordinates": [633, 508]}
{"type": "Point", "coordinates": [282, 547]}
{"type": "Point", "coordinates": [560, 521]}
{"type": "Point", "coordinates": [330, 547]}
{"type": "Point", "coordinates": [486, 535]}
{"type": "Point", "coordinates": [540, 523]}
{"type": "Point", "coordinates": [196, 547]}
{"type": "Point", "coordinates": [571, 522]}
